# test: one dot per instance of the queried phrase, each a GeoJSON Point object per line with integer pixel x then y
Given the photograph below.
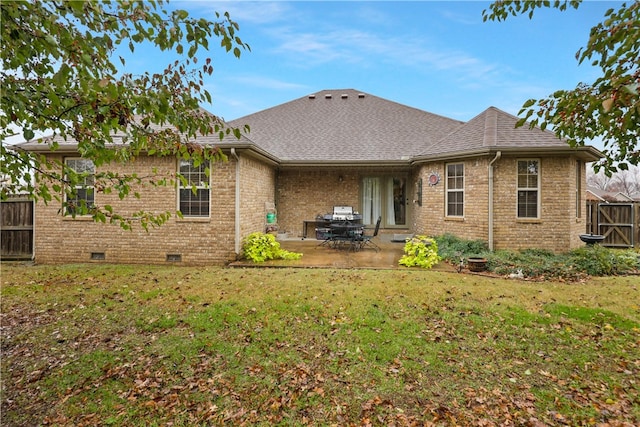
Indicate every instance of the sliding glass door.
{"type": "Point", "coordinates": [384, 196]}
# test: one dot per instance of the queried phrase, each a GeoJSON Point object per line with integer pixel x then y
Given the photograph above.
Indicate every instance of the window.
{"type": "Point", "coordinates": [455, 189]}
{"type": "Point", "coordinates": [528, 188]}
{"type": "Point", "coordinates": [81, 196]}
{"type": "Point", "coordinates": [194, 191]}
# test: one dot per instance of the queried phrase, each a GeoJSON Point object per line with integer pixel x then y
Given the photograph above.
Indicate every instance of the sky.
{"type": "Point", "coordinates": [437, 56]}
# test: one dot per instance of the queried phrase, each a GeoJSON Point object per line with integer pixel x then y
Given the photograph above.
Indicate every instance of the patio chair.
{"type": "Point", "coordinates": [367, 239]}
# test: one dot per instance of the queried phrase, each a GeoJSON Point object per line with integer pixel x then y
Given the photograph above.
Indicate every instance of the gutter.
{"type": "Point", "coordinates": [284, 164]}
{"type": "Point", "coordinates": [495, 159]}
{"type": "Point", "coordinates": [237, 203]}
{"type": "Point", "coordinates": [586, 153]}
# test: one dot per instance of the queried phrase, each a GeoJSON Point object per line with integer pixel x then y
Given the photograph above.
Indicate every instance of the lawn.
{"type": "Point", "coordinates": [150, 345]}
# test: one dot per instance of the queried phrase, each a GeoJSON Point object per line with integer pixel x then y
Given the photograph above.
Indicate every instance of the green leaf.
{"type": "Point", "coordinates": [632, 88]}
{"type": "Point", "coordinates": [75, 85]}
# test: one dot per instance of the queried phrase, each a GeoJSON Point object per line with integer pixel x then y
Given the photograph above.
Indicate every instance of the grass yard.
{"type": "Point", "coordinates": [152, 346]}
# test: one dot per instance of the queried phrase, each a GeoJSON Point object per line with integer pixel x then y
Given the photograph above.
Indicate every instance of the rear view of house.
{"type": "Point", "coordinates": [421, 173]}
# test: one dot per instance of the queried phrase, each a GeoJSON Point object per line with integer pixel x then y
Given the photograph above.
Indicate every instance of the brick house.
{"type": "Point", "coordinates": [422, 173]}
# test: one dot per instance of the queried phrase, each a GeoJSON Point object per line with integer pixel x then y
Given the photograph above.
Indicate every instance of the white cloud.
{"type": "Point", "coordinates": [362, 48]}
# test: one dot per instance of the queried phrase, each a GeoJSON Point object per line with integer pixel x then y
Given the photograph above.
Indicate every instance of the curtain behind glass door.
{"type": "Point", "coordinates": [386, 197]}
{"type": "Point", "coordinates": [371, 200]}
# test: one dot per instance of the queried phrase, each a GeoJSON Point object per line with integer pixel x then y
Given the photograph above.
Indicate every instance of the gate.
{"type": "Point", "coordinates": [16, 229]}
{"type": "Point", "coordinates": [616, 222]}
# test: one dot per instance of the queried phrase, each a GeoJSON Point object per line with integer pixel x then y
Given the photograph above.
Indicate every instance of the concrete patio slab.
{"type": "Point", "coordinates": [316, 255]}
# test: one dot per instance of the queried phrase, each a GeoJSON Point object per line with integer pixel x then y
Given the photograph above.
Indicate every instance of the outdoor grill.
{"type": "Point", "coordinates": [342, 213]}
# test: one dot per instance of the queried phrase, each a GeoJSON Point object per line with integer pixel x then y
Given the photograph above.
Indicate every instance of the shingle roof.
{"type": "Point", "coordinates": [70, 144]}
{"type": "Point", "coordinates": [594, 193]}
{"type": "Point", "coordinates": [345, 125]}
{"type": "Point", "coordinates": [349, 126]}
{"type": "Point", "coordinates": [493, 128]}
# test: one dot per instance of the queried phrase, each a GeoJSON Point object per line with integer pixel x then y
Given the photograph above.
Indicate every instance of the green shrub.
{"type": "Point", "coordinates": [452, 248]}
{"type": "Point", "coordinates": [538, 263]}
{"type": "Point", "coordinates": [420, 251]}
{"type": "Point", "coordinates": [597, 260]}
{"type": "Point", "coordinates": [260, 247]}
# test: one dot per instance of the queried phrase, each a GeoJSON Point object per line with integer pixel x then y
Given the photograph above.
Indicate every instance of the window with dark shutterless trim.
{"type": "Point", "coordinates": [455, 189]}
{"type": "Point", "coordinates": [82, 195]}
{"type": "Point", "coordinates": [194, 190]}
{"type": "Point", "coordinates": [528, 181]}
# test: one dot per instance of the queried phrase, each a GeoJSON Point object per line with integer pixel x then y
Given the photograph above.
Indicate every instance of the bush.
{"type": "Point", "coordinates": [259, 247]}
{"type": "Point", "coordinates": [452, 248]}
{"type": "Point", "coordinates": [597, 260]}
{"type": "Point", "coordinates": [420, 251]}
{"type": "Point", "coordinates": [536, 263]}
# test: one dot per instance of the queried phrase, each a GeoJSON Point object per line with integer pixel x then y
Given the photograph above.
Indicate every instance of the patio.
{"type": "Point", "coordinates": [315, 255]}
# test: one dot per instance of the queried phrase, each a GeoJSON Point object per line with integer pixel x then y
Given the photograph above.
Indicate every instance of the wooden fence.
{"type": "Point", "coordinates": [618, 222]}
{"type": "Point", "coordinates": [16, 229]}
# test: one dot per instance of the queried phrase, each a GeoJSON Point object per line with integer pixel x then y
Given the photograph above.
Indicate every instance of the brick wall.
{"type": "Point", "coordinates": [429, 219]}
{"type": "Point", "coordinates": [557, 229]}
{"type": "Point", "coordinates": [198, 241]}
{"type": "Point", "coordinates": [257, 187]}
{"type": "Point", "coordinates": [302, 194]}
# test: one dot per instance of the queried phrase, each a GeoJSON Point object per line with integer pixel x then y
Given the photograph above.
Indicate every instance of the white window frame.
{"type": "Point", "coordinates": [196, 179]}
{"type": "Point", "coordinates": [450, 191]}
{"type": "Point", "coordinates": [85, 189]}
{"type": "Point", "coordinates": [527, 187]}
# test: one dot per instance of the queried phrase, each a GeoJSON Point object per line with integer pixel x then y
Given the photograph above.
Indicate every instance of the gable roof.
{"type": "Point", "coordinates": [345, 125]}
{"type": "Point", "coordinates": [594, 193]}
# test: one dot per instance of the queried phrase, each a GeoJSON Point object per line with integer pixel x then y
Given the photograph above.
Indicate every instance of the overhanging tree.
{"type": "Point", "coordinates": [60, 74]}
{"type": "Point", "coordinates": [607, 109]}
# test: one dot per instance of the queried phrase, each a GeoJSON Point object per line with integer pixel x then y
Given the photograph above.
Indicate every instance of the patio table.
{"type": "Point", "coordinates": [345, 233]}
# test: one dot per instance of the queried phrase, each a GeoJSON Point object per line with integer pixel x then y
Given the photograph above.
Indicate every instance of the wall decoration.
{"type": "Point", "coordinates": [434, 178]}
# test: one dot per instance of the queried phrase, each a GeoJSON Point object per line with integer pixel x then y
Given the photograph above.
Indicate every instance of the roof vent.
{"type": "Point", "coordinates": [361, 95]}
{"type": "Point", "coordinates": [344, 96]}
{"type": "Point", "coordinates": [174, 257]}
{"type": "Point", "coordinates": [312, 97]}
{"type": "Point", "coordinates": [328, 96]}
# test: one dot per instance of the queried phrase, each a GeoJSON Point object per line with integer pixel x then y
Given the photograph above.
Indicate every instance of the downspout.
{"type": "Point", "coordinates": [237, 202]}
{"type": "Point", "coordinates": [495, 159]}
